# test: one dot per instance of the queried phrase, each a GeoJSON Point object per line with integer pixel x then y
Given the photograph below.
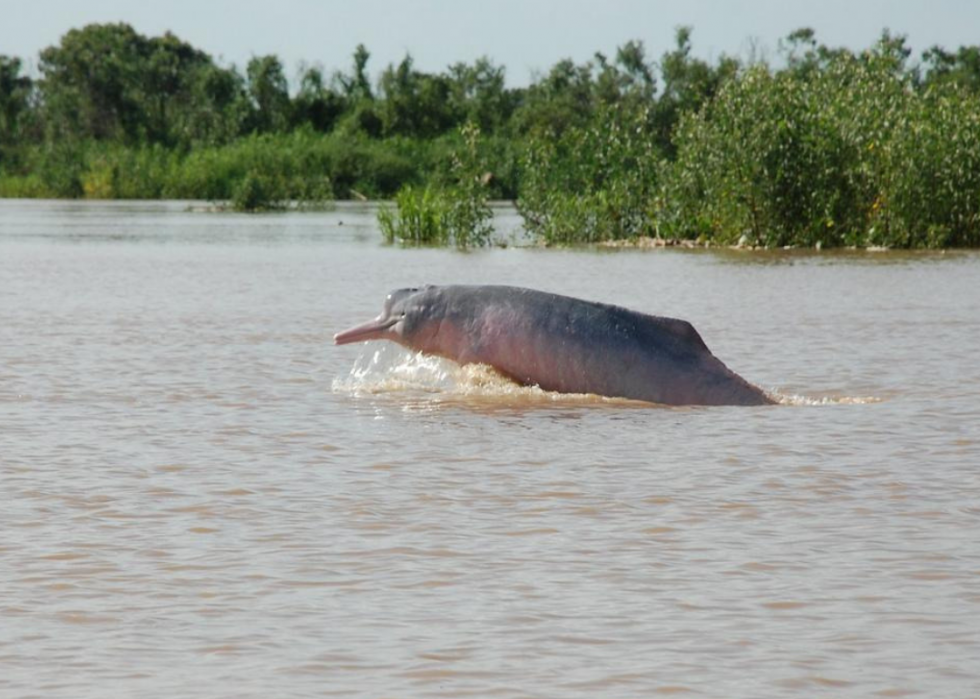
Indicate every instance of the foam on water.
{"type": "Point", "coordinates": [801, 400]}
{"type": "Point", "coordinates": [387, 368]}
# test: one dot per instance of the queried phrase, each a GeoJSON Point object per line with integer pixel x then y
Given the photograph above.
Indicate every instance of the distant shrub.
{"type": "Point", "coordinates": [97, 180]}
{"type": "Point", "coordinates": [258, 192]}
{"type": "Point", "coordinates": [850, 155]}
{"type": "Point", "coordinates": [591, 183]}
{"type": "Point", "coordinates": [26, 186]}
{"type": "Point", "coordinates": [932, 197]}
{"type": "Point", "coordinates": [833, 148]}
{"type": "Point", "coordinates": [770, 160]}
{"type": "Point", "coordinates": [455, 214]}
{"type": "Point", "coordinates": [59, 166]}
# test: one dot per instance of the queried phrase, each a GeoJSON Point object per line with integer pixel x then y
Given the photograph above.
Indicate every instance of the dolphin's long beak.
{"type": "Point", "coordinates": [371, 330]}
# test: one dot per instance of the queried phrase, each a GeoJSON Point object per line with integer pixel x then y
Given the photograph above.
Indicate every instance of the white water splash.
{"type": "Point", "coordinates": [390, 369]}
{"type": "Point", "coordinates": [387, 368]}
{"type": "Point", "coordinates": [795, 399]}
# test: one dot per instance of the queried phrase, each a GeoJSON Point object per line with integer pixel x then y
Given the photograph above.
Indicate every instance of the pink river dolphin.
{"type": "Point", "coordinates": [560, 343]}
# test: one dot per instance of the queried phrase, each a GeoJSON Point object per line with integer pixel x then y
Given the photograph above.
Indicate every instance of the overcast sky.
{"type": "Point", "coordinates": [523, 35]}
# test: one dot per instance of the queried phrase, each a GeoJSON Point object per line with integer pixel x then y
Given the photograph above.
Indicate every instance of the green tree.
{"type": "Point", "coordinates": [961, 68]}
{"type": "Point", "coordinates": [357, 85]}
{"type": "Point", "coordinates": [109, 83]}
{"type": "Point", "coordinates": [91, 82]}
{"type": "Point", "coordinates": [414, 103]}
{"type": "Point", "coordinates": [890, 53]}
{"type": "Point", "coordinates": [315, 104]}
{"type": "Point", "coordinates": [361, 117]}
{"type": "Point", "coordinates": [639, 80]}
{"type": "Point", "coordinates": [593, 182]}
{"type": "Point", "coordinates": [166, 85]}
{"type": "Point", "coordinates": [15, 96]}
{"type": "Point", "coordinates": [559, 101]}
{"type": "Point", "coordinates": [688, 84]}
{"type": "Point", "coordinates": [218, 110]}
{"type": "Point", "coordinates": [478, 94]}
{"type": "Point", "coordinates": [269, 91]}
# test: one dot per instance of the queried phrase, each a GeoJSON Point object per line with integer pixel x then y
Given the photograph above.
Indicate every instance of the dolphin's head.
{"type": "Point", "coordinates": [401, 317]}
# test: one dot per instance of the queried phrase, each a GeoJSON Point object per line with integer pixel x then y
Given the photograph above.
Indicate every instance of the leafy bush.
{"type": "Point", "coordinates": [832, 148]}
{"type": "Point", "coordinates": [850, 154]}
{"type": "Point", "coordinates": [932, 198]}
{"type": "Point", "coordinates": [258, 192]}
{"type": "Point", "coordinates": [591, 183]}
{"type": "Point", "coordinates": [59, 166]}
{"type": "Point", "coordinates": [456, 214]}
{"type": "Point", "coordinates": [20, 186]}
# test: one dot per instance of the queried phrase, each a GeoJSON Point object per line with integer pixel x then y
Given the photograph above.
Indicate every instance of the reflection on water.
{"type": "Point", "coordinates": [204, 497]}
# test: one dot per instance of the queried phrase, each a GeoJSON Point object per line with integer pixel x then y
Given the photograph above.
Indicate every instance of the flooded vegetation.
{"type": "Point", "coordinates": [823, 147]}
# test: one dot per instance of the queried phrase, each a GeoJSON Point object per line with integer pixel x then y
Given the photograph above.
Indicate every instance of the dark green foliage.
{"type": "Point", "coordinates": [15, 94]}
{"type": "Point", "coordinates": [92, 82]}
{"type": "Point", "coordinates": [833, 148]}
{"type": "Point", "coordinates": [771, 160]}
{"type": "Point", "coordinates": [260, 190]}
{"type": "Point", "coordinates": [559, 101]}
{"type": "Point", "coordinates": [932, 196]}
{"type": "Point", "coordinates": [593, 182]}
{"type": "Point", "coordinates": [414, 103]}
{"type": "Point", "coordinates": [357, 85]}
{"type": "Point", "coordinates": [170, 70]}
{"type": "Point", "coordinates": [570, 95]}
{"type": "Point", "coordinates": [270, 94]}
{"type": "Point", "coordinates": [218, 111]}
{"type": "Point", "coordinates": [59, 169]}
{"type": "Point", "coordinates": [960, 69]}
{"type": "Point", "coordinates": [688, 84]}
{"type": "Point", "coordinates": [315, 105]}
{"type": "Point", "coordinates": [836, 150]}
{"type": "Point", "coordinates": [257, 192]}
{"type": "Point", "coordinates": [107, 82]}
{"type": "Point", "coordinates": [477, 95]}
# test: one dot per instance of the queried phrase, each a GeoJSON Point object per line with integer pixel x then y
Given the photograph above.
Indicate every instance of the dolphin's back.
{"type": "Point", "coordinates": [572, 345]}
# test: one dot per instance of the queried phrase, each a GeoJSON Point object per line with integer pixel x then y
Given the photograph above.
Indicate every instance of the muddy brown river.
{"type": "Point", "coordinates": [203, 497]}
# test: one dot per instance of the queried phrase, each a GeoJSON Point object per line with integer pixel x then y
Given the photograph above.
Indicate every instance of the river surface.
{"type": "Point", "coordinates": [203, 497]}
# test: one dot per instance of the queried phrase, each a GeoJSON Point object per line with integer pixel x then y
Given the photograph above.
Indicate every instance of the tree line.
{"type": "Point", "coordinates": [830, 146]}
{"type": "Point", "coordinates": [107, 82]}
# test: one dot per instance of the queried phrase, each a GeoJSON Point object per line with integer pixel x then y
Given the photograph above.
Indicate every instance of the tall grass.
{"type": "Point", "coordinates": [455, 213]}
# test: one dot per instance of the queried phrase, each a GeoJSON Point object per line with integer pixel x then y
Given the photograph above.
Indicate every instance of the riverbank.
{"type": "Point", "coordinates": [831, 149]}
{"type": "Point", "coordinates": [202, 219]}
